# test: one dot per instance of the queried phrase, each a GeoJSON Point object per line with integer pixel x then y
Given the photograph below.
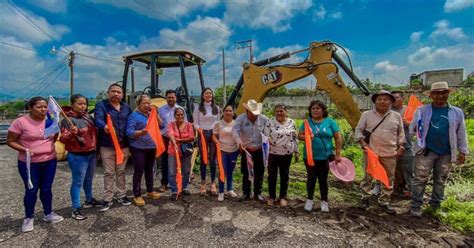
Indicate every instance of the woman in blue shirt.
{"type": "Point", "coordinates": [323, 131]}
{"type": "Point", "coordinates": [143, 149]}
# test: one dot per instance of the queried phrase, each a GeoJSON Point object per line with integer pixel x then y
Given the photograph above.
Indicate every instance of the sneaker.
{"type": "Point", "coordinates": [283, 202]}
{"type": "Point", "coordinates": [27, 225]}
{"type": "Point", "coordinates": [324, 207]}
{"type": "Point", "coordinates": [174, 196]}
{"type": "Point", "coordinates": [260, 198]}
{"type": "Point", "coordinates": [124, 201]}
{"type": "Point", "coordinates": [220, 197]}
{"type": "Point", "coordinates": [186, 192]}
{"type": "Point", "coordinates": [232, 194]}
{"type": "Point", "coordinates": [92, 203]}
{"type": "Point", "coordinates": [138, 201]}
{"type": "Point", "coordinates": [77, 215]}
{"type": "Point", "coordinates": [213, 189]}
{"type": "Point", "coordinates": [106, 206]}
{"type": "Point", "coordinates": [245, 197]}
{"type": "Point", "coordinates": [53, 218]}
{"type": "Point", "coordinates": [153, 195]}
{"type": "Point", "coordinates": [387, 208]}
{"type": "Point", "coordinates": [376, 190]}
{"type": "Point", "coordinates": [202, 189]}
{"type": "Point", "coordinates": [270, 202]}
{"type": "Point", "coordinates": [308, 207]}
{"type": "Point", "coordinates": [415, 212]}
{"type": "Point", "coordinates": [364, 204]}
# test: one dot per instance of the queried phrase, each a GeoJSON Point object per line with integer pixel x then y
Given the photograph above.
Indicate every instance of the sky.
{"type": "Point", "coordinates": [387, 40]}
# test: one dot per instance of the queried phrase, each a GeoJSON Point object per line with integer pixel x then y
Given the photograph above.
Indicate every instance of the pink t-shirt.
{"type": "Point", "coordinates": [187, 132]}
{"type": "Point", "coordinates": [31, 136]}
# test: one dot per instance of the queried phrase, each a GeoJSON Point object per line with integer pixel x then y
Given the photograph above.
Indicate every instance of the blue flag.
{"type": "Point", "coordinates": [265, 149]}
{"type": "Point", "coordinates": [52, 118]}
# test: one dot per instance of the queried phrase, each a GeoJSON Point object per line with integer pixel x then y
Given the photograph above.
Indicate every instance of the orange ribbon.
{"type": "Point", "coordinates": [307, 143]}
{"type": "Point", "coordinates": [113, 135]}
{"type": "Point", "coordinates": [179, 176]}
{"type": "Point", "coordinates": [375, 168]}
{"type": "Point", "coordinates": [203, 147]}
{"type": "Point", "coordinates": [154, 131]}
{"type": "Point", "coordinates": [219, 163]}
{"type": "Point", "coordinates": [413, 104]}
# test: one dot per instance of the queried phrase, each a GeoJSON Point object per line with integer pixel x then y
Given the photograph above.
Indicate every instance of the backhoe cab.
{"type": "Point", "coordinates": [322, 62]}
{"type": "Point", "coordinates": [154, 61]}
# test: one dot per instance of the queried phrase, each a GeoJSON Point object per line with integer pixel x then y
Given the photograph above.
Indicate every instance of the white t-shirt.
{"type": "Point", "coordinates": [207, 121]}
{"type": "Point", "coordinates": [224, 132]}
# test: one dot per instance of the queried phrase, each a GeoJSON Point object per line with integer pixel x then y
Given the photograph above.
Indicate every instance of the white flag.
{"type": "Point", "coordinates": [52, 118]}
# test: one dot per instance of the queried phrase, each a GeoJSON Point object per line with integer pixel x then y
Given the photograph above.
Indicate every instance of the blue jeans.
{"type": "Point", "coordinates": [429, 165]}
{"type": "Point", "coordinates": [42, 177]}
{"type": "Point", "coordinates": [82, 169]}
{"type": "Point", "coordinates": [211, 155]}
{"type": "Point", "coordinates": [228, 162]}
{"type": "Point", "coordinates": [185, 171]}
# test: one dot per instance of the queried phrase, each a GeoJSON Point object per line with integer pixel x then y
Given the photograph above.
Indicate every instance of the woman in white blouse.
{"type": "Point", "coordinates": [205, 115]}
{"type": "Point", "coordinates": [281, 133]}
{"type": "Point", "coordinates": [222, 135]}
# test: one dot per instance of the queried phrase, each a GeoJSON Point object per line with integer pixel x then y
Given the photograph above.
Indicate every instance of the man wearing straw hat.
{"type": "Point", "coordinates": [247, 133]}
{"type": "Point", "coordinates": [441, 132]}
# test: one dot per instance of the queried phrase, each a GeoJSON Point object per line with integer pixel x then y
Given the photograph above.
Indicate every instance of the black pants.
{"type": "Point", "coordinates": [258, 171]}
{"type": "Point", "coordinates": [143, 160]}
{"type": "Point", "coordinates": [275, 163]}
{"type": "Point", "coordinates": [164, 163]}
{"type": "Point", "coordinates": [319, 172]}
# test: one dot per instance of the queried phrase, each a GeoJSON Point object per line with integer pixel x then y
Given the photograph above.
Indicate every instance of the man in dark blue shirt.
{"type": "Point", "coordinates": [119, 112]}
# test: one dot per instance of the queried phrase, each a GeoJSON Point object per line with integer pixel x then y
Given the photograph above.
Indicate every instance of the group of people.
{"type": "Point", "coordinates": [439, 126]}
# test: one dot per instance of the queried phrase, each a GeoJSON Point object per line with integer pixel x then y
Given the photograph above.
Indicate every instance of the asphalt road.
{"type": "Point", "coordinates": [202, 221]}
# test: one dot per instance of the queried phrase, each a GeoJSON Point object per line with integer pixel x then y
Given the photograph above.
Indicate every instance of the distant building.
{"type": "Point", "coordinates": [452, 76]}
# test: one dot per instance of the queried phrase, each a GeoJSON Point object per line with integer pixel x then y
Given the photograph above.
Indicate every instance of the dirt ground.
{"type": "Point", "coordinates": [202, 221]}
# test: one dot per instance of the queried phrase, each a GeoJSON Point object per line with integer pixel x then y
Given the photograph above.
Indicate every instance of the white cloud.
{"type": "Point", "coordinates": [319, 13]}
{"type": "Point", "coordinates": [386, 66]}
{"type": "Point", "coordinates": [13, 24]}
{"type": "Point", "coordinates": [443, 31]}
{"type": "Point", "coordinates": [336, 15]}
{"type": "Point", "coordinates": [166, 10]}
{"type": "Point", "coordinates": [416, 36]}
{"type": "Point", "coordinates": [53, 6]}
{"type": "Point", "coordinates": [274, 14]}
{"type": "Point", "coordinates": [456, 5]}
{"type": "Point", "coordinates": [427, 56]}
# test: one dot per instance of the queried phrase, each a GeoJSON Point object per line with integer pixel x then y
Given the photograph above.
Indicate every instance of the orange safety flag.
{"type": "Point", "coordinates": [413, 104]}
{"type": "Point", "coordinates": [179, 176]}
{"type": "Point", "coordinates": [113, 135]}
{"type": "Point", "coordinates": [307, 143]}
{"type": "Point", "coordinates": [219, 163]}
{"type": "Point", "coordinates": [203, 147]}
{"type": "Point", "coordinates": [375, 168]}
{"type": "Point", "coordinates": [154, 131]}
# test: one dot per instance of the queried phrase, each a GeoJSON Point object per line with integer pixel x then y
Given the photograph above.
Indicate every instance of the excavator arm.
{"type": "Point", "coordinates": [322, 62]}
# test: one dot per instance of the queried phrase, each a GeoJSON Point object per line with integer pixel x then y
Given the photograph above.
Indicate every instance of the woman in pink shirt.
{"type": "Point", "coordinates": [36, 160]}
{"type": "Point", "coordinates": [181, 133]}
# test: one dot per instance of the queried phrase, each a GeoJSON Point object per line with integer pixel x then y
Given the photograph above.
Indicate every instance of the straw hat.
{"type": "Point", "coordinates": [344, 170]}
{"type": "Point", "coordinates": [382, 92]}
{"type": "Point", "coordinates": [253, 106]}
{"type": "Point", "coordinates": [438, 86]}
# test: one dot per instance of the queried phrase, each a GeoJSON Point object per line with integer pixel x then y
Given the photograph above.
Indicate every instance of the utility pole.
{"type": "Point", "coordinates": [71, 73]}
{"type": "Point", "coordinates": [244, 44]}
{"type": "Point", "coordinates": [223, 76]}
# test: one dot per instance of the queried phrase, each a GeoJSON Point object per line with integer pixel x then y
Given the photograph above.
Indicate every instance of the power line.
{"type": "Point", "coordinates": [216, 24]}
{"type": "Point", "coordinates": [52, 81]}
{"type": "Point", "coordinates": [43, 78]}
{"type": "Point", "coordinates": [17, 46]}
{"type": "Point", "coordinates": [35, 26]}
{"type": "Point", "coordinates": [171, 17]}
